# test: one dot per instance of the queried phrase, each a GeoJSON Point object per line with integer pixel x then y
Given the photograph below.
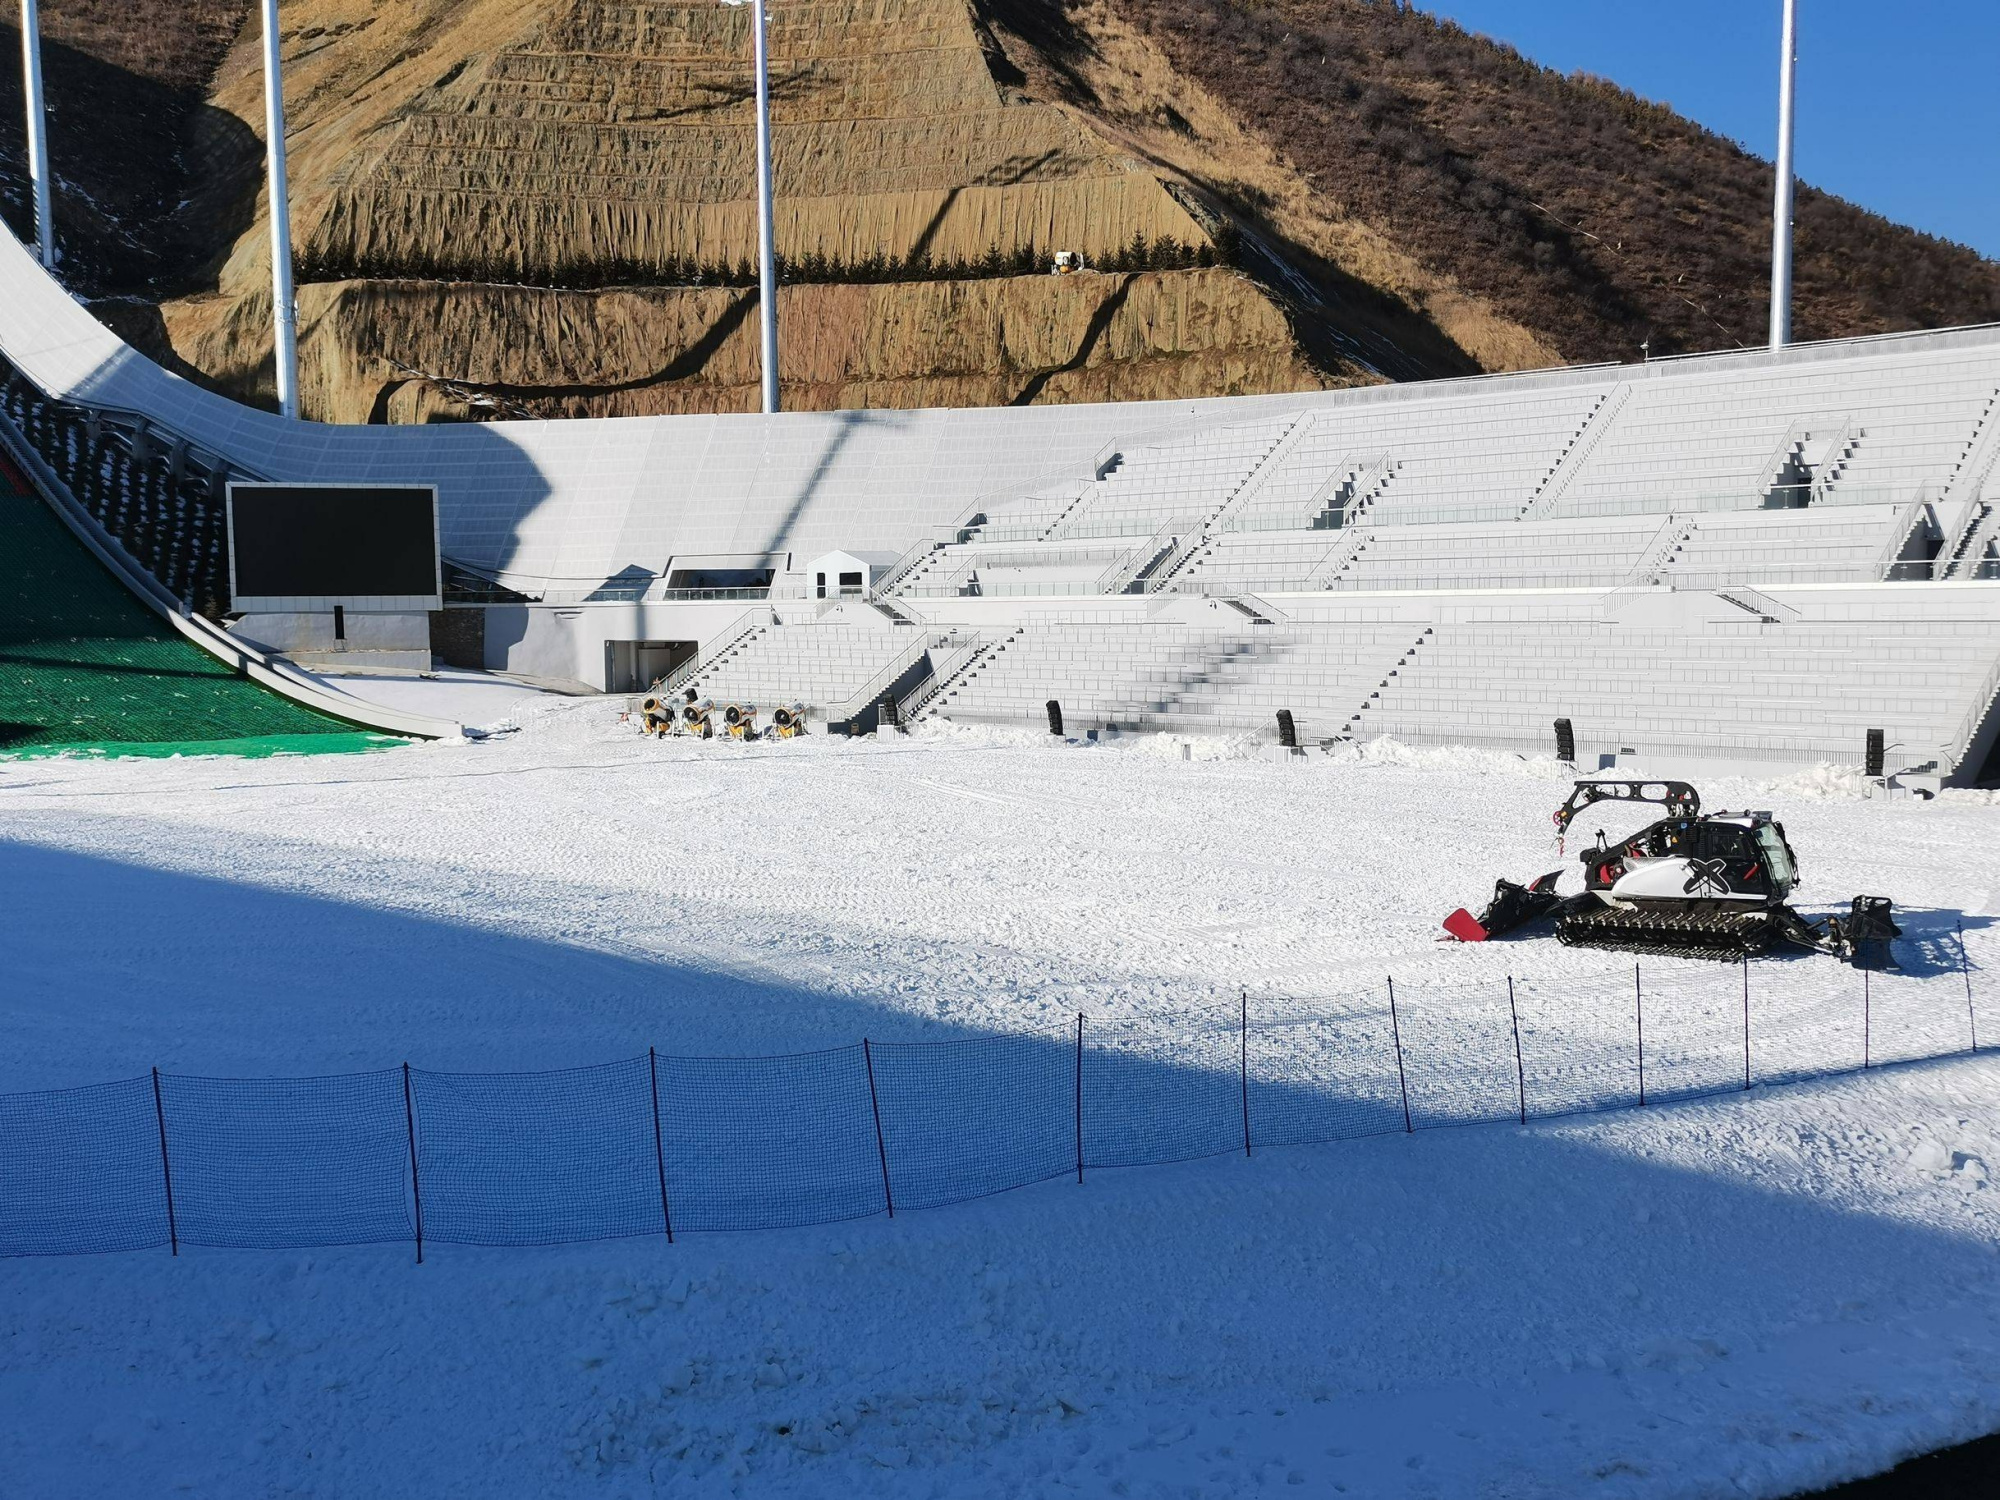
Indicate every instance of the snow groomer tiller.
{"type": "Point", "coordinates": [1693, 885]}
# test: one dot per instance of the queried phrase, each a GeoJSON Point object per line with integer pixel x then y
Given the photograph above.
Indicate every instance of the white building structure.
{"type": "Point", "coordinates": [1751, 556]}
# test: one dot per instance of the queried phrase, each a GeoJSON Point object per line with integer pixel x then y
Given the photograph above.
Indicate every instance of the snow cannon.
{"type": "Point", "coordinates": [698, 718]}
{"type": "Point", "coordinates": [657, 715]}
{"type": "Point", "coordinates": [1693, 885]}
{"type": "Point", "coordinates": [740, 719]}
{"type": "Point", "coordinates": [788, 720]}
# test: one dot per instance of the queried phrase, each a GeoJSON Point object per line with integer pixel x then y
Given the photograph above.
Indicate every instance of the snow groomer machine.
{"type": "Point", "coordinates": [1692, 885]}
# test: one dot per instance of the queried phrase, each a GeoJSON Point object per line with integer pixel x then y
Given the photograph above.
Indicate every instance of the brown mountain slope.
{"type": "Point", "coordinates": [130, 137]}
{"type": "Point", "coordinates": [578, 146]}
{"type": "Point", "coordinates": [543, 206]}
{"type": "Point", "coordinates": [1567, 204]}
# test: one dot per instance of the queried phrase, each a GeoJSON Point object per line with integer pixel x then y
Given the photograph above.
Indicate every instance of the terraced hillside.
{"type": "Point", "coordinates": [616, 142]}
{"type": "Point", "coordinates": [561, 222]}
{"type": "Point", "coordinates": [543, 207]}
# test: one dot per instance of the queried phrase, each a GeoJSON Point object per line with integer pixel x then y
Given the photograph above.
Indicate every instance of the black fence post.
{"type": "Point", "coordinates": [1746, 1023]}
{"type": "Point", "coordinates": [1079, 1098]}
{"type": "Point", "coordinates": [659, 1142]}
{"type": "Point", "coordinates": [1866, 1021]}
{"type": "Point", "coordinates": [1243, 1066]}
{"type": "Point", "coordinates": [166, 1168]}
{"type": "Point", "coordinates": [1965, 968]}
{"type": "Point", "coordinates": [1402, 1082]}
{"type": "Point", "coordinates": [416, 1191]}
{"type": "Point", "coordinates": [1639, 1024]}
{"type": "Point", "coordinates": [1520, 1073]}
{"type": "Point", "coordinates": [875, 1104]}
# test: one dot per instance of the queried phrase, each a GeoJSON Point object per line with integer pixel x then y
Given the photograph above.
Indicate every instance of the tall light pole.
{"type": "Point", "coordinates": [38, 131]}
{"type": "Point", "coordinates": [767, 255]}
{"type": "Point", "coordinates": [284, 307]}
{"type": "Point", "coordinates": [1781, 227]}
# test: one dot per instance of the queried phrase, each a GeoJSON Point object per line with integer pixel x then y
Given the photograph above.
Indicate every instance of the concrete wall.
{"type": "Point", "coordinates": [568, 642]}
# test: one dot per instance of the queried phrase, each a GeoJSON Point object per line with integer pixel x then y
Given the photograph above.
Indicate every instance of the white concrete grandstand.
{"type": "Point", "coordinates": [1751, 556]}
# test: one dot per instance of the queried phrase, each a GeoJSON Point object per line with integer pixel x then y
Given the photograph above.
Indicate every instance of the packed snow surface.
{"type": "Point", "coordinates": [1749, 1294]}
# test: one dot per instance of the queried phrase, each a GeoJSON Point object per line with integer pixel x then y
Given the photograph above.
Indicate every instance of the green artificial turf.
{"type": "Point", "coordinates": [85, 666]}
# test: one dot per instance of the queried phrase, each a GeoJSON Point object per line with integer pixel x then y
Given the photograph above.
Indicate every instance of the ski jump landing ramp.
{"type": "Point", "coordinates": [96, 656]}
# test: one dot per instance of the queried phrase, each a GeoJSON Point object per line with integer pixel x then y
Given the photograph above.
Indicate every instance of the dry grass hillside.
{"type": "Point", "coordinates": [618, 141]}
{"type": "Point", "coordinates": [1564, 203]}
{"type": "Point", "coordinates": [571, 182]}
{"type": "Point", "coordinates": [512, 207]}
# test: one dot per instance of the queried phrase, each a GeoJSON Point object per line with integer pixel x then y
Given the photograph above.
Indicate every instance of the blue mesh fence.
{"type": "Point", "coordinates": [1911, 1018]}
{"type": "Point", "coordinates": [1458, 1052]}
{"type": "Point", "coordinates": [1694, 1031]}
{"type": "Point", "coordinates": [657, 1144]}
{"type": "Point", "coordinates": [1810, 1029]}
{"type": "Point", "coordinates": [1321, 1075]}
{"type": "Point", "coordinates": [80, 1171]}
{"type": "Point", "coordinates": [964, 1119]}
{"type": "Point", "coordinates": [764, 1142]}
{"type": "Point", "coordinates": [1579, 1042]}
{"type": "Point", "coordinates": [274, 1163]}
{"type": "Point", "coordinates": [1152, 1095]}
{"type": "Point", "coordinates": [537, 1158]}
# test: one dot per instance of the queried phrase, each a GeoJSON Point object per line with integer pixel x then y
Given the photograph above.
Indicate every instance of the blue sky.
{"type": "Point", "coordinates": [1897, 98]}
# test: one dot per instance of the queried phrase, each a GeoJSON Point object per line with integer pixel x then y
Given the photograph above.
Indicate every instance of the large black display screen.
{"type": "Point", "coordinates": [298, 540]}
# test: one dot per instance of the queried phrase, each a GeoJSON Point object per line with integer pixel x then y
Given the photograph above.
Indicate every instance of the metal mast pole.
{"type": "Point", "coordinates": [38, 131]}
{"type": "Point", "coordinates": [1781, 228]}
{"type": "Point", "coordinates": [284, 310]}
{"type": "Point", "coordinates": [767, 257]}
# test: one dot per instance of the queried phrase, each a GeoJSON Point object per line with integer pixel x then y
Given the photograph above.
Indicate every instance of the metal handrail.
{"type": "Point", "coordinates": [1983, 703]}
{"type": "Point", "coordinates": [1796, 436]}
{"type": "Point", "coordinates": [1260, 476]}
{"type": "Point", "coordinates": [1658, 549]}
{"type": "Point", "coordinates": [1982, 453]}
{"type": "Point", "coordinates": [1251, 485]}
{"type": "Point", "coordinates": [879, 684]}
{"type": "Point", "coordinates": [1823, 480]}
{"type": "Point", "coordinates": [1553, 487]}
{"type": "Point", "coordinates": [704, 660]}
{"type": "Point", "coordinates": [1057, 474]}
{"type": "Point", "coordinates": [1330, 566]}
{"type": "Point", "coordinates": [964, 648]}
{"type": "Point", "coordinates": [1128, 565]}
{"type": "Point", "coordinates": [1899, 538]}
{"type": "Point", "coordinates": [924, 546]}
{"type": "Point", "coordinates": [1348, 469]}
{"type": "Point", "coordinates": [1980, 528]}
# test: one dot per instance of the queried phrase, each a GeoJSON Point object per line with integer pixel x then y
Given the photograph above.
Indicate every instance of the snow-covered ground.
{"type": "Point", "coordinates": [446, 692]}
{"type": "Point", "coordinates": [1760, 1291]}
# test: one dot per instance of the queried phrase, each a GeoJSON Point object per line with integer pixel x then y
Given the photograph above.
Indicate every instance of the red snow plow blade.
{"type": "Point", "coordinates": [1512, 906]}
{"type": "Point", "coordinates": [1464, 926]}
